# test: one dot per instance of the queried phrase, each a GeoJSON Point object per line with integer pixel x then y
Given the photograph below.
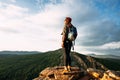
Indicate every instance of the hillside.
{"type": "Point", "coordinates": [27, 67]}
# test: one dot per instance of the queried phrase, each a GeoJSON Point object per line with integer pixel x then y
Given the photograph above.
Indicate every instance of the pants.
{"type": "Point", "coordinates": [67, 49]}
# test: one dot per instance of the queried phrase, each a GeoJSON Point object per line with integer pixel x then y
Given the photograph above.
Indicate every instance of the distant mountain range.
{"type": "Point", "coordinates": [27, 67]}
{"type": "Point", "coordinates": [19, 52]}
{"type": "Point", "coordinates": [8, 53]}
{"type": "Point", "coordinates": [105, 56]}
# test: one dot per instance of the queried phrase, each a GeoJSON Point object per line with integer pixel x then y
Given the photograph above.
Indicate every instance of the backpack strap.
{"type": "Point", "coordinates": [73, 44]}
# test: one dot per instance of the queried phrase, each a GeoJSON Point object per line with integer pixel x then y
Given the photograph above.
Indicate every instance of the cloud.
{"type": "Point", "coordinates": [11, 17]}
{"type": "Point", "coordinates": [32, 30]}
{"type": "Point", "coordinates": [12, 1]}
{"type": "Point", "coordinates": [8, 30]}
{"type": "Point", "coordinates": [100, 32]}
{"type": "Point", "coordinates": [10, 10]}
{"type": "Point", "coordinates": [111, 45]}
{"type": "Point", "coordinates": [96, 33]}
{"type": "Point", "coordinates": [100, 37]}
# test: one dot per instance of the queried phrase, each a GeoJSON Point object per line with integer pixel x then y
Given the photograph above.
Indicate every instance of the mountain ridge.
{"type": "Point", "coordinates": [19, 52]}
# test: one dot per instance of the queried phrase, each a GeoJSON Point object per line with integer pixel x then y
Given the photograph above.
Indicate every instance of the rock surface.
{"type": "Point", "coordinates": [56, 73]}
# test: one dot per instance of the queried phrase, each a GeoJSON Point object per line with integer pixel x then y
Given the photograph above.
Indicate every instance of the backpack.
{"type": "Point", "coordinates": [72, 34]}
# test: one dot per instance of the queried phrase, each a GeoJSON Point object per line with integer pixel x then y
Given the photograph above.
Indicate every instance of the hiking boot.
{"type": "Point", "coordinates": [65, 70]}
{"type": "Point", "coordinates": [69, 68]}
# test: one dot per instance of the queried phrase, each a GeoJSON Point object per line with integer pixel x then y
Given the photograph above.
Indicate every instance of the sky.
{"type": "Point", "coordinates": [36, 25]}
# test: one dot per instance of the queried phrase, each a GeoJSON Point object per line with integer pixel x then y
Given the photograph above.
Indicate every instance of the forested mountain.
{"type": "Point", "coordinates": [27, 67]}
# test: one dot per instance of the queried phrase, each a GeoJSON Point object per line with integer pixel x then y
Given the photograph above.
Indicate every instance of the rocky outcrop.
{"type": "Point", "coordinates": [88, 62]}
{"type": "Point", "coordinates": [88, 69]}
{"type": "Point", "coordinates": [57, 73]}
{"type": "Point", "coordinates": [104, 75]}
{"type": "Point", "coordinates": [111, 75]}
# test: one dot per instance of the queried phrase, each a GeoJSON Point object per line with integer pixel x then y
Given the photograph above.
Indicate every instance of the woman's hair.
{"type": "Point", "coordinates": [68, 19]}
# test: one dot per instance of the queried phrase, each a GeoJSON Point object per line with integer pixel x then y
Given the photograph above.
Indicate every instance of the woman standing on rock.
{"type": "Point", "coordinates": [69, 34]}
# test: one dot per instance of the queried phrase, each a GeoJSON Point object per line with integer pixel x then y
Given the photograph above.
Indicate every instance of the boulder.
{"type": "Point", "coordinates": [111, 75]}
{"type": "Point", "coordinates": [95, 73]}
{"type": "Point", "coordinates": [114, 74]}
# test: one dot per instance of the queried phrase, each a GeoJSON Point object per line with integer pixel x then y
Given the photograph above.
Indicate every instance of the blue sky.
{"type": "Point", "coordinates": [35, 25]}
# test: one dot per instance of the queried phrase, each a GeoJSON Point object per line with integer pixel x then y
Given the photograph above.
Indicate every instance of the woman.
{"type": "Point", "coordinates": [67, 43]}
